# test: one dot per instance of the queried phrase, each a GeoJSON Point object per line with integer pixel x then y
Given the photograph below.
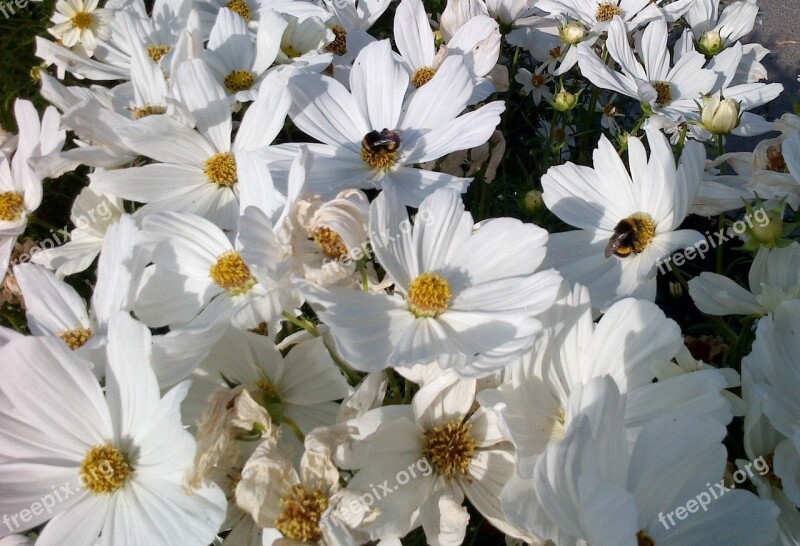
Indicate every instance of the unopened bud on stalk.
{"type": "Point", "coordinates": [710, 43]}
{"type": "Point", "coordinates": [533, 201]}
{"type": "Point", "coordinates": [720, 116]}
{"type": "Point", "coordinates": [572, 33]}
{"type": "Point", "coordinates": [564, 100]}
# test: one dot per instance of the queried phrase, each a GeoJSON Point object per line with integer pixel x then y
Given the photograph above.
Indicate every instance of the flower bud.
{"type": "Point", "coordinates": [572, 33]}
{"type": "Point", "coordinates": [564, 100]}
{"type": "Point", "coordinates": [710, 43]}
{"type": "Point", "coordinates": [533, 201]}
{"type": "Point", "coordinates": [720, 116]}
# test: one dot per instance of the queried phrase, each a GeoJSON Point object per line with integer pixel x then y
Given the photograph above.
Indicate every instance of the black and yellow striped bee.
{"type": "Point", "coordinates": [631, 236]}
{"type": "Point", "coordinates": [381, 141]}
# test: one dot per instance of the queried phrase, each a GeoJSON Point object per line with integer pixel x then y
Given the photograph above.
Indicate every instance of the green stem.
{"type": "Point", "coordinates": [302, 323]}
{"type": "Point", "coordinates": [295, 428]}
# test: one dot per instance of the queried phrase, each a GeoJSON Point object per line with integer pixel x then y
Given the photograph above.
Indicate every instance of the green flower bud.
{"type": "Point", "coordinates": [711, 43]}
{"type": "Point", "coordinates": [572, 33]}
{"type": "Point", "coordinates": [720, 116]}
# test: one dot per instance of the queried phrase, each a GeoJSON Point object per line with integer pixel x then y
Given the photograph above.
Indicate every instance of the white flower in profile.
{"type": "Point", "coordinates": [20, 186]}
{"type": "Point", "coordinates": [372, 136]}
{"type": "Point", "coordinates": [81, 23]}
{"type": "Point", "coordinates": [304, 42]}
{"type": "Point", "coordinates": [117, 460]}
{"type": "Point", "coordinates": [459, 297]}
{"type": "Point", "coordinates": [713, 31]}
{"type": "Point", "coordinates": [774, 278]}
{"type": "Point", "coordinates": [661, 88]}
{"type": "Point", "coordinates": [628, 222]}
{"type": "Point", "coordinates": [599, 486]}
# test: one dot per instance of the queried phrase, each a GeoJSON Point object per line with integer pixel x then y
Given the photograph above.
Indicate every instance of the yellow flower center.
{"type": "Point", "coordinates": [330, 243]}
{"type": "Point", "coordinates": [631, 235]}
{"type": "Point", "coordinates": [262, 329]}
{"type": "Point", "coordinates": [232, 274]}
{"type": "Point", "coordinates": [379, 149]}
{"type": "Point", "coordinates": [555, 53]}
{"type": "Point", "coordinates": [221, 170]}
{"type": "Point", "coordinates": [538, 80]}
{"type": "Point", "coordinates": [12, 205]}
{"type": "Point", "coordinates": [75, 339]}
{"type": "Point", "coordinates": [302, 512]}
{"type": "Point", "coordinates": [104, 469]}
{"type": "Point", "coordinates": [664, 91]}
{"type": "Point", "coordinates": [156, 52]}
{"type": "Point", "coordinates": [606, 11]}
{"type": "Point", "coordinates": [423, 76]}
{"type": "Point", "coordinates": [148, 110]}
{"type": "Point", "coordinates": [450, 449]}
{"type": "Point", "coordinates": [240, 7]}
{"type": "Point", "coordinates": [775, 160]}
{"type": "Point", "coordinates": [643, 539]}
{"type": "Point", "coordinates": [429, 295]}
{"type": "Point", "coordinates": [339, 44]}
{"type": "Point", "coordinates": [239, 80]}
{"type": "Point", "coordinates": [82, 20]}
{"type": "Point", "coordinates": [266, 386]}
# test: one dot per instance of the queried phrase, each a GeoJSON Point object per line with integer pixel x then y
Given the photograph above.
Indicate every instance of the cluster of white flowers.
{"type": "Point", "coordinates": [297, 332]}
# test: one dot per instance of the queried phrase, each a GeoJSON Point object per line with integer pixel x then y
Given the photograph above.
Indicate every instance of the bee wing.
{"type": "Point", "coordinates": [613, 244]}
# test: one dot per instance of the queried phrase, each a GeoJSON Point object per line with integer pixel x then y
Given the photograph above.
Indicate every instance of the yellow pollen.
{"type": "Point", "coordinates": [775, 160]}
{"type": "Point", "coordinates": [240, 7]}
{"type": "Point", "coordinates": [104, 469]}
{"type": "Point", "coordinates": [239, 80]}
{"type": "Point", "coordinates": [606, 11]}
{"type": "Point", "coordinates": [156, 52]}
{"type": "Point", "coordinates": [75, 339]}
{"type": "Point", "coordinates": [555, 53]}
{"type": "Point", "coordinates": [267, 387]}
{"type": "Point", "coordinates": [643, 539]}
{"type": "Point", "coordinates": [221, 170]}
{"type": "Point", "coordinates": [232, 274]}
{"type": "Point", "coordinates": [291, 51]}
{"type": "Point", "coordinates": [302, 511]}
{"type": "Point", "coordinates": [450, 449]}
{"type": "Point", "coordinates": [330, 243]}
{"type": "Point", "coordinates": [12, 204]}
{"type": "Point", "coordinates": [423, 76]}
{"type": "Point", "coordinates": [262, 329]}
{"type": "Point", "coordinates": [537, 80]}
{"type": "Point", "coordinates": [664, 91]}
{"type": "Point", "coordinates": [149, 110]}
{"type": "Point", "coordinates": [429, 295]}
{"type": "Point", "coordinates": [380, 159]}
{"type": "Point", "coordinates": [339, 44]}
{"type": "Point", "coordinates": [82, 20]}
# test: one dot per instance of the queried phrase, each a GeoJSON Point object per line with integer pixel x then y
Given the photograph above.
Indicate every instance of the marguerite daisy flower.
{"type": "Point", "coordinates": [459, 297]}
{"type": "Point", "coordinates": [111, 466]}
{"type": "Point", "coordinates": [628, 222]}
{"type": "Point", "coordinates": [80, 23]}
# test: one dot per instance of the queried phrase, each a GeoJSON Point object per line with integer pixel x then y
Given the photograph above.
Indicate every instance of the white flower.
{"type": "Point", "coordinates": [118, 459]}
{"type": "Point", "coordinates": [628, 222]}
{"type": "Point", "coordinates": [713, 33]}
{"type": "Point", "coordinates": [774, 278]}
{"type": "Point", "coordinates": [459, 296]}
{"type": "Point", "coordinates": [372, 136]}
{"type": "Point", "coordinates": [535, 85]}
{"type": "Point", "coordinates": [671, 91]}
{"type": "Point", "coordinates": [303, 43]}
{"type": "Point", "coordinates": [80, 23]}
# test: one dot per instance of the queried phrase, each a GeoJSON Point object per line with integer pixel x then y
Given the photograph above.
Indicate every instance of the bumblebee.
{"type": "Point", "coordinates": [631, 236]}
{"type": "Point", "coordinates": [381, 141]}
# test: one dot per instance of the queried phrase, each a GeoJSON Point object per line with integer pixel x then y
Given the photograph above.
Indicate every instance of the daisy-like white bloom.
{"type": "Point", "coordinates": [628, 222]}
{"type": "Point", "coordinates": [20, 186]}
{"type": "Point", "coordinates": [596, 15]}
{"type": "Point", "coordinates": [533, 406]}
{"type": "Point", "coordinates": [599, 486]}
{"type": "Point", "coordinates": [610, 114]}
{"type": "Point", "coordinates": [92, 215]}
{"type": "Point", "coordinates": [197, 170]}
{"type": "Point", "coordinates": [777, 167]}
{"type": "Point", "coordinates": [761, 439]}
{"type": "Point", "coordinates": [478, 41]}
{"type": "Point", "coordinates": [773, 360]}
{"type": "Point", "coordinates": [111, 465]}
{"type": "Point", "coordinates": [372, 136]}
{"type": "Point", "coordinates": [774, 278]}
{"type": "Point", "coordinates": [239, 62]}
{"type": "Point", "coordinates": [714, 32]}
{"type": "Point", "coordinates": [458, 297]}
{"type": "Point", "coordinates": [534, 84]}
{"type": "Point", "coordinates": [304, 43]}
{"type": "Point", "coordinates": [661, 88]}
{"type": "Point", "coordinates": [455, 451]}
{"type": "Point", "coordinates": [304, 504]}
{"type": "Point", "coordinates": [199, 277]}
{"type": "Point", "coordinates": [80, 23]}
{"type": "Point", "coordinates": [301, 388]}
